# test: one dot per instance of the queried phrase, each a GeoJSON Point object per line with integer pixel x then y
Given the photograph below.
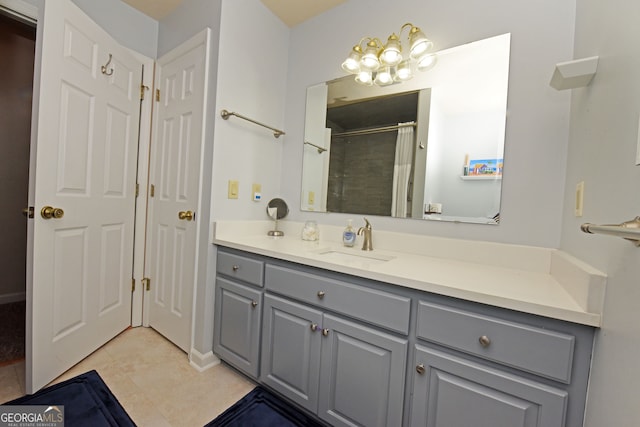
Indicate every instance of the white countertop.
{"type": "Point", "coordinates": [541, 281]}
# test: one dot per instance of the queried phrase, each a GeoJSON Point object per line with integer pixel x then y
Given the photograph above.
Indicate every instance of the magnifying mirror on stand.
{"type": "Point", "coordinates": [277, 209]}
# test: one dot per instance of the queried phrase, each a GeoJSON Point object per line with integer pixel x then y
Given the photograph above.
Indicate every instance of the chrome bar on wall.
{"type": "Point", "coordinates": [372, 130]}
{"type": "Point", "coordinates": [629, 230]}
{"type": "Point", "coordinates": [320, 149]}
{"type": "Point", "coordinates": [226, 114]}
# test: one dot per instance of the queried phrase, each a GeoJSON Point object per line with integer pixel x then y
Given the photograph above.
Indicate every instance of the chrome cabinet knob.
{"type": "Point", "coordinates": [314, 327]}
{"type": "Point", "coordinates": [254, 304]}
{"type": "Point", "coordinates": [420, 369]}
{"type": "Point", "coordinates": [484, 341]}
{"type": "Point", "coordinates": [325, 332]}
{"type": "Point", "coordinates": [235, 268]}
{"type": "Point", "coordinates": [321, 294]}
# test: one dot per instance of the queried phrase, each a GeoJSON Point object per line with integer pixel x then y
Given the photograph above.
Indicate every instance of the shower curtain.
{"type": "Point", "coordinates": [402, 170]}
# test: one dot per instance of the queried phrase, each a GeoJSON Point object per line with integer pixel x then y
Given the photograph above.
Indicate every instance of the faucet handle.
{"type": "Point", "coordinates": [367, 223]}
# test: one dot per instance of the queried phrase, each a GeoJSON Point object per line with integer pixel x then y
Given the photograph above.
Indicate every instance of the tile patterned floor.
{"type": "Point", "coordinates": [152, 379]}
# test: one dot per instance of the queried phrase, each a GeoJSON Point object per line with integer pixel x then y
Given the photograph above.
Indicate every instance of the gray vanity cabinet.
{"type": "Point", "coordinates": [291, 342]}
{"type": "Point", "coordinates": [238, 312]}
{"type": "Point", "coordinates": [358, 352]}
{"type": "Point", "coordinates": [362, 375]}
{"type": "Point", "coordinates": [348, 373]}
{"type": "Point", "coordinates": [450, 391]}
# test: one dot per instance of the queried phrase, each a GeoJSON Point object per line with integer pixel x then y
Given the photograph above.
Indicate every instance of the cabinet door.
{"type": "Point", "coordinates": [449, 391]}
{"type": "Point", "coordinates": [362, 375]}
{"type": "Point", "coordinates": [237, 325]}
{"type": "Point", "coordinates": [291, 350]}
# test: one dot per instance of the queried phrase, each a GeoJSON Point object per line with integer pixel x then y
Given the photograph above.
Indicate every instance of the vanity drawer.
{"type": "Point", "coordinates": [539, 351]}
{"type": "Point", "coordinates": [242, 268]}
{"type": "Point", "coordinates": [371, 305]}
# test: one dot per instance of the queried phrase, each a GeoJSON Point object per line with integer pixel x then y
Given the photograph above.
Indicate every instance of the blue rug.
{"type": "Point", "coordinates": [87, 402]}
{"type": "Point", "coordinates": [260, 408]}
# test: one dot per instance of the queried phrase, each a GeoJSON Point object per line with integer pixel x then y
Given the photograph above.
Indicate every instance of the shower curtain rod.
{"type": "Point", "coordinates": [373, 130]}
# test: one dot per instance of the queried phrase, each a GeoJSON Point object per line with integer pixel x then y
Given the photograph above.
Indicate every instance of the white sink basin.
{"type": "Point", "coordinates": [354, 255]}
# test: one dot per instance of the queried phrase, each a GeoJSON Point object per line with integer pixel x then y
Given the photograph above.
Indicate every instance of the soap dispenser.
{"type": "Point", "coordinates": [349, 235]}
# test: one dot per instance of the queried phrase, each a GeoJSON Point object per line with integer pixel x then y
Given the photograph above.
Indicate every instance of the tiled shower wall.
{"type": "Point", "coordinates": [361, 178]}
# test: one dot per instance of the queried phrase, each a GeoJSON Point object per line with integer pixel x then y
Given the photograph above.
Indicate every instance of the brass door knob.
{"type": "Point", "coordinates": [186, 215]}
{"type": "Point", "coordinates": [49, 212]}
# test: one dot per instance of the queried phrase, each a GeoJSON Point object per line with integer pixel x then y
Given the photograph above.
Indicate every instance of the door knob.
{"type": "Point", "coordinates": [49, 212]}
{"type": "Point", "coordinates": [420, 369]}
{"type": "Point", "coordinates": [188, 215]}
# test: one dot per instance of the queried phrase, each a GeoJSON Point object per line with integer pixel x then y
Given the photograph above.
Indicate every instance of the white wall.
{"type": "Point", "coordinates": [252, 81]}
{"type": "Point", "coordinates": [602, 149]}
{"type": "Point", "coordinates": [537, 122]}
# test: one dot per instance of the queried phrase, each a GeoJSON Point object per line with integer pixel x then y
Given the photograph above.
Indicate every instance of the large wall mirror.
{"type": "Point", "coordinates": [429, 148]}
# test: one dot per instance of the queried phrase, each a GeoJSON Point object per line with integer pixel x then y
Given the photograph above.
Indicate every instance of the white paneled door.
{"type": "Point", "coordinates": [176, 156]}
{"type": "Point", "coordinates": [79, 287]}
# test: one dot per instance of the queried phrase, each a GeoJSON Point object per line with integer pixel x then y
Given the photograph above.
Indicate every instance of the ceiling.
{"type": "Point", "coordinates": [291, 12]}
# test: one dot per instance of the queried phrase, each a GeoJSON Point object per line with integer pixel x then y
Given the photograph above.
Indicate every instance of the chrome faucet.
{"type": "Point", "coordinates": [367, 244]}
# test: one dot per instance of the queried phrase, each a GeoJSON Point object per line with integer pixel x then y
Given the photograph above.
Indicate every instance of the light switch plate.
{"type": "Point", "coordinates": [256, 190]}
{"type": "Point", "coordinates": [232, 192]}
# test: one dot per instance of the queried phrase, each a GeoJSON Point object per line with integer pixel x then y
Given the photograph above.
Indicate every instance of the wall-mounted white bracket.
{"type": "Point", "coordinates": [574, 74]}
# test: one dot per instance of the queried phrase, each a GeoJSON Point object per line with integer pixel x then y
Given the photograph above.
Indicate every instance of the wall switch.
{"type": "Point", "coordinates": [579, 199]}
{"type": "Point", "coordinates": [232, 192]}
{"type": "Point", "coordinates": [312, 198]}
{"type": "Point", "coordinates": [256, 190]}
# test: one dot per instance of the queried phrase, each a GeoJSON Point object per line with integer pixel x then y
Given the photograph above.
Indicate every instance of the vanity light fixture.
{"type": "Point", "coordinates": [384, 64]}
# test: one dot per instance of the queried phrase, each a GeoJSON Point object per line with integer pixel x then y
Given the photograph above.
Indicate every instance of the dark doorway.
{"type": "Point", "coordinates": [17, 50]}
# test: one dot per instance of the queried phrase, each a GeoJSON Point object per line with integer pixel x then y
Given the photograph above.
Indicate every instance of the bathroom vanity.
{"type": "Point", "coordinates": [335, 332]}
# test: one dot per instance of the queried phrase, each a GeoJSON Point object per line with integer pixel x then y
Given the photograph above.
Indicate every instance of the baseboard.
{"type": "Point", "coordinates": [202, 362]}
{"type": "Point", "coordinates": [18, 296]}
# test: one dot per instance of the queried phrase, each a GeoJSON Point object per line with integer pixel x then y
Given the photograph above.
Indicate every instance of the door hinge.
{"type": "Point", "coordinates": [158, 95]}
{"type": "Point", "coordinates": [142, 89]}
{"type": "Point", "coordinates": [152, 191]}
{"type": "Point", "coordinates": [133, 285]}
{"type": "Point", "coordinates": [146, 283]}
{"type": "Point", "coordinates": [137, 189]}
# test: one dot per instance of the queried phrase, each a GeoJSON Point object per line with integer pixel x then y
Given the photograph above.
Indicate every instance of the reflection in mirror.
{"type": "Point", "coordinates": [430, 148]}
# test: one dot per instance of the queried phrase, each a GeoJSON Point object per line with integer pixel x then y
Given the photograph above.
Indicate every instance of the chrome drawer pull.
{"type": "Point", "coordinates": [320, 294]}
{"type": "Point", "coordinates": [325, 332]}
{"type": "Point", "coordinates": [314, 327]}
{"type": "Point", "coordinates": [484, 341]}
{"type": "Point", "coordinates": [420, 369]}
{"type": "Point", "coordinates": [235, 268]}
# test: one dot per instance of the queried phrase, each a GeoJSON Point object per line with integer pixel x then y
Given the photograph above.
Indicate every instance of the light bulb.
{"type": "Point", "coordinates": [383, 77]}
{"type": "Point", "coordinates": [403, 73]}
{"type": "Point", "coordinates": [426, 62]}
{"type": "Point", "coordinates": [352, 63]}
{"type": "Point", "coordinates": [419, 42]}
{"type": "Point", "coordinates": [369, 59]}
{"type": "Point", "coordinates": [364, 78]}
{"type": "Point", "coordinates": [391, 55]}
